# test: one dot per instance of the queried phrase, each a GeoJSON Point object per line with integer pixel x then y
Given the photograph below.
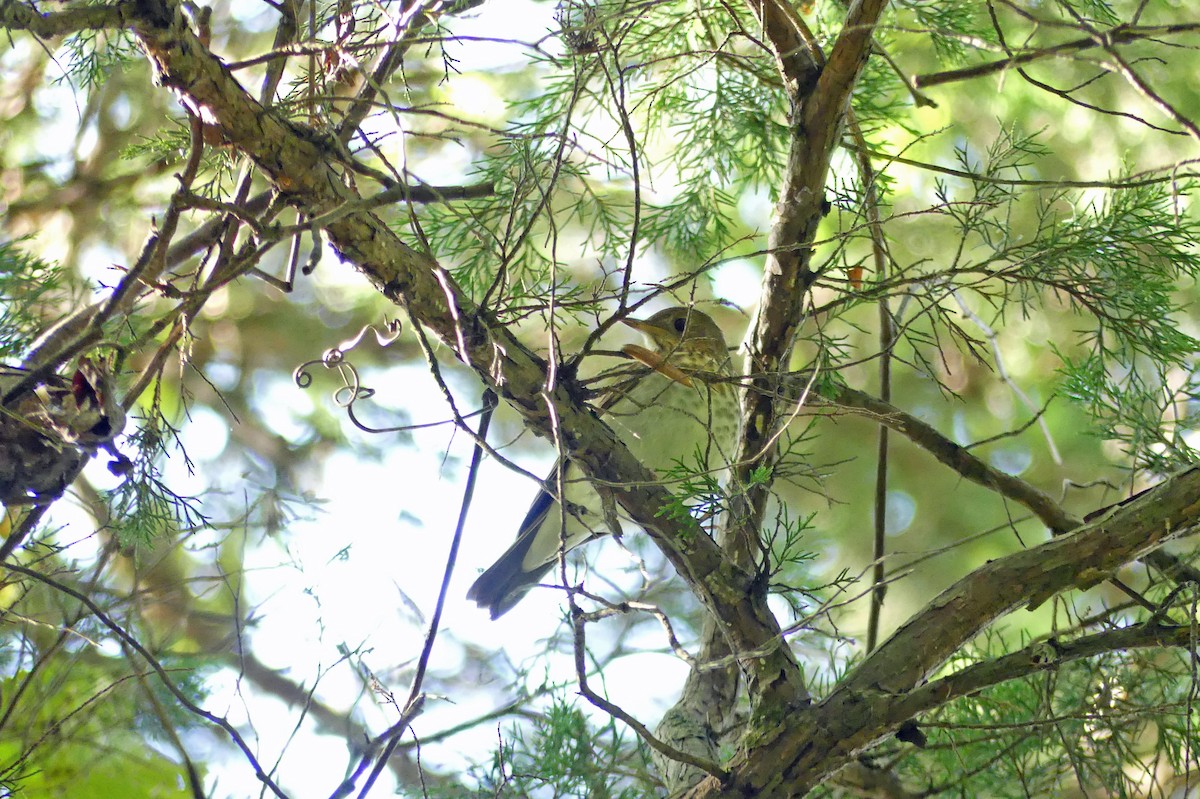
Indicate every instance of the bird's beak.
{"type": "Point", "coordinates": [659, 335]}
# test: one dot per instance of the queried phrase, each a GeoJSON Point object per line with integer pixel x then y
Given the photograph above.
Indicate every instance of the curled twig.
{"type": "Point", "coordinates": [352, 388]}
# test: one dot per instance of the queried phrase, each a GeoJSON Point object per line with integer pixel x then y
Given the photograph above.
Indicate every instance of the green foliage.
{"type": "Point", "coordinates": [218, 165]}
{"type": "Point", "coordinates": [1119, 261]}
{"type": "Point", "coordinates": [949, 25]}
{"type": "Point", "coordinates": [1094, 11]}
{"type": "Point", "coordinates": [1123, 262]}
{"type": "Point", "coordinates": [760, 475]}
{"type": "Point", "coordinates": [649, 150]}
{"type": "Point", "coordinates": [465, 235]}
{"type": "Point", "coordinates": [1089, 724]}
{"type": "Point", "coordinates": [143, 508]}
{"type": "Point", "coordinates": [696, 494]}
{"type": "Point", "coordinates": [26, 283]}
{"type": "Point", "coordinates": [561, 755]}
{"type": "Point", "coordinates": [92, 56]}
{"type": "Point", "coordinates": [551, 173]}
{"type": "Point", "coordinates": [787, 542]}
{"type": "Point", "coordinates": [81, 727]}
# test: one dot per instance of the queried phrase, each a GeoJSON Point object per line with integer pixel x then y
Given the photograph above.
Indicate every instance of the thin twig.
{"type": "Point", "coordinates": [416, 698]}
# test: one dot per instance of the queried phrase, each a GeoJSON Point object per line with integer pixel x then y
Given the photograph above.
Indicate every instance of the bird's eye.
{"type": "Point", "coordinates": [680, 324]}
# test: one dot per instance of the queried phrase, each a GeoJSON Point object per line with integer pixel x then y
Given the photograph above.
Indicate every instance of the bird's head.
{"type": "Point", "coordinates": [682, 337]}
{"type": "Point", "coordinates": [682, 329]}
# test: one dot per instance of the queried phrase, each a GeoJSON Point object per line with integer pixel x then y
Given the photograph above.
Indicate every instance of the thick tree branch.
{"type": "Point", "coordinates": [817, 114]}
{"type": "Point", "coordinates": [21, 16]}
{"type": "Point", "coordinates": [1043, 656]}
{"type": "Point", "coordinates": [775, 682]}
{"type": "Point", "coordinates": [302, 164]}
{"type": "Point", "coordinates": [796, 54]}
{"type": "Point", "coordinates": [885, 690]}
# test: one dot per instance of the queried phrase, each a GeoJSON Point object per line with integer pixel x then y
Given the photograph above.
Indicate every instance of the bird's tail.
{"type": "Point", "coordinates": [506, 581]}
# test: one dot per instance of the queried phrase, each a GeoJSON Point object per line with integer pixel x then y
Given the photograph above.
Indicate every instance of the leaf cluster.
{"type": "Point", "coordinates": [1092, 723]}
{"type": "Point", "coordinates": [562, 755]}
{"type": "Point", "coordinates": [26, 283]}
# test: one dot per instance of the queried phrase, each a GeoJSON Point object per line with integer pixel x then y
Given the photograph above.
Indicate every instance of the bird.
{"type": "Point", "coordinates": [672, 406]}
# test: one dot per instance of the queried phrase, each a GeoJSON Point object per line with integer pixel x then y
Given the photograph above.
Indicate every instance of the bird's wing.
{"type": "Point", "coordinates": [508, 579]}
{"type": "Point", "coordinates": [541, 505]}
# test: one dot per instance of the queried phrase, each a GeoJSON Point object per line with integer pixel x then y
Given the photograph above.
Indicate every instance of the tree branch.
{"type": "Point", "coordinates": [816, 118]}
{"type": "Point", "coordinates": [1041, 656]}
{"type": "Point", "coordinates": [302, 163]}
{"type": "Point", "coordinates": [885, 689]}
{"type": "Point", "coordinates": [19, 16]}
{"type": "Point", "coordinates": [1121, 34]}
{"type": "Point", "coordinates": [975, 469]}
{"type": "Point", "coordinates": [959, 458]}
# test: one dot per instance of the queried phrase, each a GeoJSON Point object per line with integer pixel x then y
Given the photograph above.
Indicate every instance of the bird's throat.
{"type": "Point", "coordinates": [657, 362]}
